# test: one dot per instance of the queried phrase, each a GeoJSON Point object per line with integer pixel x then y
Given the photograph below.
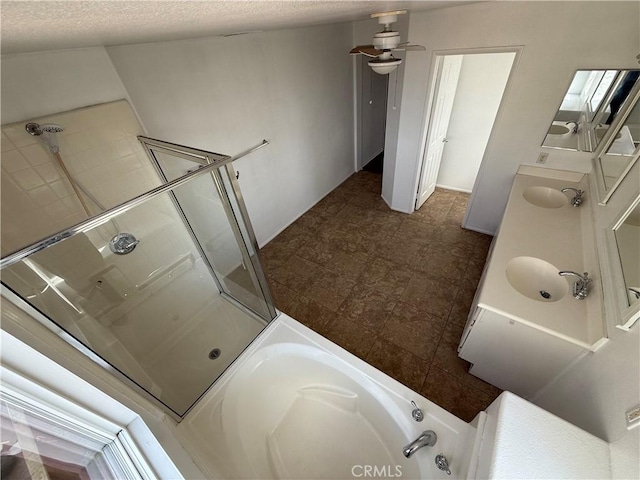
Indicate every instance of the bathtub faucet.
{"type": "Point", "coordinates": [426, 439]}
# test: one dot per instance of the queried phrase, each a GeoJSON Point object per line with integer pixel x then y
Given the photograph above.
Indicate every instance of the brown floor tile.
{"type": "Point", "coordinates": [367, 199]}
{"type": "Point", "coordinates": [308, 312]}
{"type": "Point", "coordinates": [349, 265]}
{"type": "Point", "coordinates": [295, 273]}
{"type": "Point", "coordinates": [438, 264]}
{"type": "Point", "coordinates": [396, 362]}
{"type": "Point", "coordinates": [329, 206]}
{"type": "Point", "coordinates": [317, 251]}
{"type": "Point", "coordinates": [419, 231]}
{"type": "Point", "coordinates": [414, 330]}
{"type": "Point", "coordinates": [350, 214]}
{"type": "Point", "coordinates": [401, 250]}
{"type": "Point", "coordinates": [459, 314]}
{"type": "Point", "coordinates": [433, 296]}
{"type": "Point", "coordinates": [282, 295]}
{"type": "Point", "coordinates": [328, 288]}
{"type": "Point", "coordinates": [447, 359]}
{"type": "Point", "coordinates": [283, 247]}
{"type": "Point", "coordinates": [349, 335]}
{"type": "Point", "coordinates": [456, 213]}
{"type": "Point", "coordinates": [465, 295]}
{"type": "Point", "coordinates": [434, 213]}
{"type": "Point", "coordinates": [453, 395]}
{"type": "Point", "coordinates": [385, 275]}
{"type": "Point", "coordinates": [351, 240]}
{"type": "Point", "coordinates": [312, 221]}
{"type": "Point", "coordinates": [368, 307]}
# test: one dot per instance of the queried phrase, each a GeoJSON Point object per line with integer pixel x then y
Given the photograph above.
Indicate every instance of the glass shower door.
{"type": "Point", "coordinates": [225, 241]}
{"type": "Point", "coordinates": [171, 312]}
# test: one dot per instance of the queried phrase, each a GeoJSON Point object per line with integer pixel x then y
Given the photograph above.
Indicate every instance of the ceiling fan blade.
{"type": "Point", "coordinates": [367, 50]}
{"type": "Point", "coordinates": [410, 48]}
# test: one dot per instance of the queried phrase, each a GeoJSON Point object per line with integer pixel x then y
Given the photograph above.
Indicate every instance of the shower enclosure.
{"type": "Point", "coordinates": [169, 309]}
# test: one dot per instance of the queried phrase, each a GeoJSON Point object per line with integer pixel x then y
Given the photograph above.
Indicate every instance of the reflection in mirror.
{"type": "Point", "coordinates": [593, 101]}
{"type": "Point", "coordinates": [622, 150]}
{"type": "Point", "coordinates": [628, 241]}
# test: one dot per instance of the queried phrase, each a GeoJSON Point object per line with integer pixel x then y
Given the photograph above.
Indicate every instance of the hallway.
{"type": "Point", "coordinates": [393, 289]}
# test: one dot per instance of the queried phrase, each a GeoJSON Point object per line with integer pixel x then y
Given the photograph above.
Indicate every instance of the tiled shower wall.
{"type": "Point", "coordinates": [101, 151]}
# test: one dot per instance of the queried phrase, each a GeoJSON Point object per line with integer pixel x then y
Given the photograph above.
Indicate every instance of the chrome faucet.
{"type": "Point", "coordinates": [577, 200]}
{"type": "Point", "coordinates": [575, 128]}
{"type": "Point", "coordinates": [581, 286]}
{"type": "Point", "coordinates": [426, 439]}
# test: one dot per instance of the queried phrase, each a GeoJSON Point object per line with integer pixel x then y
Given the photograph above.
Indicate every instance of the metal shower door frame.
{"type": "Point", "coordinates": [205, 158]}
{"type": "Point", "coordinates": [15, 325]}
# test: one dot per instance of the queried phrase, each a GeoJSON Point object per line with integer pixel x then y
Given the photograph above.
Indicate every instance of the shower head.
{"type": "Point", "coordinates": [51, 128]}
{"type": "Point", "coordinates": [37, 129]}
{"type": "Point", "coordinates": [46, 131]}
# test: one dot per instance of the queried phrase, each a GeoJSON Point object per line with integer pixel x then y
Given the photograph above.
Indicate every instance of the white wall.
{"type": "Point", "coordinates": [558, 38]}
{"type": "Point", "coordinates": [42, 83]}
{"type": "Point", "coordinates": [596, 392]}
{"type": "Point", "coordinates": [482, 81]}
{"type": "Point", "coordinates": [292, 87]}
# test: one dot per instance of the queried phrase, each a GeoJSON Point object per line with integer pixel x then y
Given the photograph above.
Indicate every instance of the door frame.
{"type": "Point", "coordinates": [436, 97]}
{"type": "Point", "coordinates": [429, 102]}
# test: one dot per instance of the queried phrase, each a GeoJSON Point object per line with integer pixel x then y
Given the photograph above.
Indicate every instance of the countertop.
{"type": "Point", "coordinates": [562, 237]}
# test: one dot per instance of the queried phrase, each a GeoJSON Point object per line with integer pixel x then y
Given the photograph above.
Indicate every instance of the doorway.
{"type": "Point", "coordinates": [467, 92]}
{"type": "Point", "coordinates": [372, 118]}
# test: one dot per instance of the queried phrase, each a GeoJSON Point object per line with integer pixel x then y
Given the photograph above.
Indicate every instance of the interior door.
{"type": "Point", "coordinates": [448, 68]}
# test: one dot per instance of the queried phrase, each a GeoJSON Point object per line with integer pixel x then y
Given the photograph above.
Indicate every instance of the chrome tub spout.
{"type": "Point", "coordinates": [426, 439]}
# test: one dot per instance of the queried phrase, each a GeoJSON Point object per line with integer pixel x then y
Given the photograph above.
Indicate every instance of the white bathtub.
{"type": "Point", "coordinates": [297, 406]}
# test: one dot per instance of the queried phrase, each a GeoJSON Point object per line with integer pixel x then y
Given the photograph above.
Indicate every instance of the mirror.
{"type": "Point", "coordinates": [620, 148]}
{"type": "Point", "coordinates": [627, 245]}
{"type": "Point", "coordinates": [592, 104]}
{"type": "Point", "coordinates": [628, 241]}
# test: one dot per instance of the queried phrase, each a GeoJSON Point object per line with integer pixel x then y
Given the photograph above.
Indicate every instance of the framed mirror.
{"type": "Point", "coordinates": [627, 242]}
{"type": "Point", "coordinates": [621, 147]}
{"type": "Point", "coordinates": [590, 108]}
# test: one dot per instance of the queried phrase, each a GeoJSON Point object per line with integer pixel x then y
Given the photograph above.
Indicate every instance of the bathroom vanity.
{"type": "Point", "coordinates": [526, 326]}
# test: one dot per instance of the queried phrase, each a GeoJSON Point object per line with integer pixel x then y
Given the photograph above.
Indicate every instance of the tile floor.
{"type": "Point", "coordinates": [391, 288]}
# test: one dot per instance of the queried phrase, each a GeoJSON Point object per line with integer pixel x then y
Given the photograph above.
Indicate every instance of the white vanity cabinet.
{"type": "Point", "coordinates": [512, 355]}
{"type": "Point", "coordinates": [525, 326]}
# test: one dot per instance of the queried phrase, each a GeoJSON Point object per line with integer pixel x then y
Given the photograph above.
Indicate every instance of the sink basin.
{"type": "Point", "coordinates": [536, 279]}
{"type": "Point", "coordinates": [558, 130]}
{"type": "Point", "coordinates": [545, 197]}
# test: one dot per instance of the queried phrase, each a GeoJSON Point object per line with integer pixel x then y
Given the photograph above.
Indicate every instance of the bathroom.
{"type": "Point", "coordinates": [311, 130]}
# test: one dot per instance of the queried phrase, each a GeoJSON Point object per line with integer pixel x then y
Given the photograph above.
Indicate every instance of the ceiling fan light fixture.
{"type": "Point", "coordinates": [384, 67]}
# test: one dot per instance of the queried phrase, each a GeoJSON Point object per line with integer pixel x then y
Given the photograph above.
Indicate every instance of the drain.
{"type": "Point", "coordinates": [213, 354]}
{"type": "Point", "coordinates": [545, 294]}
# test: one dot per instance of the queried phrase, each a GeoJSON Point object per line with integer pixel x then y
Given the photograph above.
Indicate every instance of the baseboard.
{"type": "Point", "coordinates": [455, 189]}
{"type": "Point", "coordinates": [479, 230]}
{"type": "Point", "coordinates": [278, 232]}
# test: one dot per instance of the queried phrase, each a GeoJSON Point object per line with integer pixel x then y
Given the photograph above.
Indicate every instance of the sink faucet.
{"type": "Point", "coordinates": [581, 286]}
{"type": "Point", "coordinates": [577, 200]}
{"type": "Point", "coordinates": [575, 128]}
{"type": "Point", "coordinates": [426, 439]}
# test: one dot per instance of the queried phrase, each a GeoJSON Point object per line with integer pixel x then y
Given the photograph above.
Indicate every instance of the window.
{"type": "Point", "coordinates": [40, 441]}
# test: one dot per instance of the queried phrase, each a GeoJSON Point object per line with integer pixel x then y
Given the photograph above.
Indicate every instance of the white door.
{"type": "Point", "coordinates": [444, 94]}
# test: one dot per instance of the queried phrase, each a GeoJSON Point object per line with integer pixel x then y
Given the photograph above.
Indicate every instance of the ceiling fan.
{"type": "Point", "coordinates": [384, 43]}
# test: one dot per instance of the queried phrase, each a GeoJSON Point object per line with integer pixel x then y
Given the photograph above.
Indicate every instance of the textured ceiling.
{"type": "Point", "coordinates": [29, 26]}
